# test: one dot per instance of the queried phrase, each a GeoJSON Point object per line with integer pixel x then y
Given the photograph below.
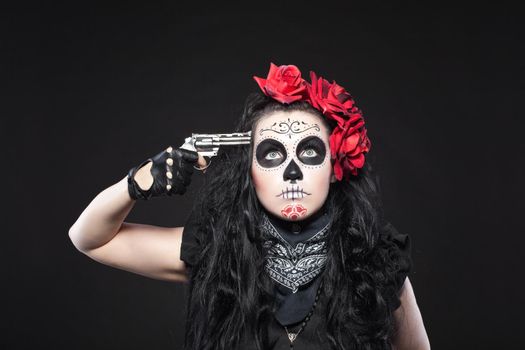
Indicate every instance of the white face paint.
{"type": "Point", "coordinates": [291, 168]}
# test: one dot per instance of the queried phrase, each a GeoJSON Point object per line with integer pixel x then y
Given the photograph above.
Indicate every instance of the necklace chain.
{"type": "Point", "coordinates": [293, 335]}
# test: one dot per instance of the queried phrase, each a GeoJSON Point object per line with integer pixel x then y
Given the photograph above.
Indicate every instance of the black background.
{"type": "Point", "coordinates": [89, 91]}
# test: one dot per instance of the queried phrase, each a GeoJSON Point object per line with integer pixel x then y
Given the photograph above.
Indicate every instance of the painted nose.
{"type": "Point", "coordinates": [292, 172]}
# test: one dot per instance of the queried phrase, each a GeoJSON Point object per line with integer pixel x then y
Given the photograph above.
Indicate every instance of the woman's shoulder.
{"type": "Point", "coordinates": [400, 241]}
{"type": "Point", "coordinates": [398, 248]}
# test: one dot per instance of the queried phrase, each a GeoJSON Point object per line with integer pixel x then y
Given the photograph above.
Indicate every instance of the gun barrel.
{"type": "Point", "coordinates": [203, 143]}
{"type": "Point", "coordinates": [212, 140]}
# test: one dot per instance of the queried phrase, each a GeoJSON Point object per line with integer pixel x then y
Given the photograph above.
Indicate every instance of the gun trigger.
{"type": "Point", "coordinates": [203, 169]}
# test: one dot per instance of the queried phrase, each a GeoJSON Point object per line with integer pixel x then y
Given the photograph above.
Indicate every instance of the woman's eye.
{"type": "Point", "coordinates": [309, 153]}
{"type": "Point", "coordinates": [311, 150]}
{"type": "Point", "coordinates": [273, 155]}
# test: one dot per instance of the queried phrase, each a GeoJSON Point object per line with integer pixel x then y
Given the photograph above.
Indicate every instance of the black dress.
{"type": "Point", "coordinates": [313, 335]}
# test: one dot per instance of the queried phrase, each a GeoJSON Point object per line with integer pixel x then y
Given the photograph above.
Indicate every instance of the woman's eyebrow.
{"type": "Point", "coordinates": [273, 142]}
{"type": "Point", "coordinates": [312, 139]}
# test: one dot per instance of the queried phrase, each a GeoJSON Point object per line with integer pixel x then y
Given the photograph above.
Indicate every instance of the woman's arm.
{"type": "Point", "coordinates": [101, 233]}
{"type": "Point", "coordinates": [411, 333]}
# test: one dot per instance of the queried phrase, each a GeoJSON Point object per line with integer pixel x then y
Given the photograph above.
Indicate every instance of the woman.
{"type": "Point", "coordinates": [286, 246]}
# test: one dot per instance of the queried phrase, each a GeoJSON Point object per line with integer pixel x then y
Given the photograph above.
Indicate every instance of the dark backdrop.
{"type": "Point", "coordinates": [89, 91]}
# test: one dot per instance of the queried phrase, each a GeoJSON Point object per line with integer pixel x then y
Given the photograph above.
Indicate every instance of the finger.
{"type": "Point", "coordinates": [201, 162]}
{"type": "Point", "coordinates": [187, 155]}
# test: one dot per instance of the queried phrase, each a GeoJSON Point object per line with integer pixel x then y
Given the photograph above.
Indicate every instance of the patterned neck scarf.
{"type": "Point", "coordinates": [296, 251]}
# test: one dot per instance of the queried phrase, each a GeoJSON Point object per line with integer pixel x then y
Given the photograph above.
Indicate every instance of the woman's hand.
{"type": "Point", "coordinates": [101, 233]}
{"type": "Point", "coordinates": [167, 173]}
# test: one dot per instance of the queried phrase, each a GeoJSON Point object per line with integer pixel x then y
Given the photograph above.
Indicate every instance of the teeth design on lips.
{"type": "Point", "coordinates": [293, 193]}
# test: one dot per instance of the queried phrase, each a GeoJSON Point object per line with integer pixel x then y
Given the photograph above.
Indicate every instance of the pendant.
{"type": "Point", "coordinates": [292, 336]}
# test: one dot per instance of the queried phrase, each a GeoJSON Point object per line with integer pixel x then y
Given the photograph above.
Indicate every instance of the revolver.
{"type": "Point", "coordinates": [208, 145]}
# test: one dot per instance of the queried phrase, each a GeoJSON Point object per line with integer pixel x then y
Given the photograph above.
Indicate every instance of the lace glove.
{"type": "Point", "coordinates": [171, 171]}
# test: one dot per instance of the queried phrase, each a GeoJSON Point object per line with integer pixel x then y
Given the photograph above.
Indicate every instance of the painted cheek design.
{"type": "Point", "coordinates": [294, 211]}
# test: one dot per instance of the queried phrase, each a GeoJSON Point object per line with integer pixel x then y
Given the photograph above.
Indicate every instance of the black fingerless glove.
{"type": "Point", "coordinates": [171, 171]}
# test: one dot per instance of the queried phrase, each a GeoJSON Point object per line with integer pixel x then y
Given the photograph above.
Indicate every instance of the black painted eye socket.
{"type": "Point", "coordinates": [270, 153]}
{"type": "Point", "coordinates": [311, 150]}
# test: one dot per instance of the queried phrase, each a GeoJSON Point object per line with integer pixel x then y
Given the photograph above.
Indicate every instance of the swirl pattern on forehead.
{"type": "Point", "coordinates": [290, 127]}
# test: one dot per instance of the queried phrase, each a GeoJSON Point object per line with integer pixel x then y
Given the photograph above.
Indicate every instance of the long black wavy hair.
{"type": "Point", "coordinates": [231, 294]}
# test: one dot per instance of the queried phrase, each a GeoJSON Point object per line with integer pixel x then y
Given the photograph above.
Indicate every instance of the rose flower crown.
{"type": "Point", "coordinates": [348, 141]}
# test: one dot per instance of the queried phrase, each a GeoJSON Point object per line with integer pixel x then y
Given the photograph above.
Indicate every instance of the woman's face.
{"type": "Point", "coordinates": [291, 168]}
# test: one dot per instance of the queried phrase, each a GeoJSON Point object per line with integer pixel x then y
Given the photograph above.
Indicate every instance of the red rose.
{"type": "Point", "coordinates": [284, 84]}
{"type": "Point", "coordinates": [333, 100]}
{"type": "Point", "coordinates": [347, 146]}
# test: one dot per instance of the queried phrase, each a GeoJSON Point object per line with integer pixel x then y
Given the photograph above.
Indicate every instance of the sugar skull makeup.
{"type": "Point", "coordinates": [291, 168]}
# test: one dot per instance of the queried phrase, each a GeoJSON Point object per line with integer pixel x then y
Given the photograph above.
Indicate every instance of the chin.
{"type": "Point", "coordinates": [295, 211]}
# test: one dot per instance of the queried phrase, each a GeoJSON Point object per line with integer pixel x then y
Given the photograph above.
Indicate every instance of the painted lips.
{"type": "Point", "coordinates": [293, 193]}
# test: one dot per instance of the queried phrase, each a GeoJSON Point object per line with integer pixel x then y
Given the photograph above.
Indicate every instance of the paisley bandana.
{"type": "Point", "coordinates": [293, 266]}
